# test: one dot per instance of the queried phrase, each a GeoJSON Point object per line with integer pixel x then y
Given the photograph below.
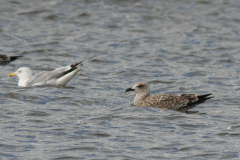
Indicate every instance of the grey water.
{"type": "Point", "coordinates": [187, 46]}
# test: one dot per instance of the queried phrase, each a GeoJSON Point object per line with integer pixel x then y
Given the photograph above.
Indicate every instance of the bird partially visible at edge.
{"type": "Point", "coordinates": [4, 59]}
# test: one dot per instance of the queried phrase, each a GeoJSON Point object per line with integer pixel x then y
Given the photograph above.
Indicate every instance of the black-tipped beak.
{"type": "Point", "coordinates": [129, 89]}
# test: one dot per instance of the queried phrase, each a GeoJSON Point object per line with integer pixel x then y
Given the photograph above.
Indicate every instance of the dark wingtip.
{"type": "Point", "coordinates": [73, 67]}
{"type": "Point", "coordinates": [129, 89]}
{"type": "Point", "coordinates": [205, 96]}
{"type": "Point", "coordinates": [208, 98]}
{"type": "Point", "coordinates": [201, 99]}
{"type": "Point", "coordinates": [80, 63]}
{"type": "Point", "coordinates": [77, 64]}
{"type": "Point", "coordinates": [12, 58]}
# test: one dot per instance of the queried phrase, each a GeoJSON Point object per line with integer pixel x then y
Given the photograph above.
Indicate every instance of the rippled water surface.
{"type": "Point", "coordinates": [176, 46]}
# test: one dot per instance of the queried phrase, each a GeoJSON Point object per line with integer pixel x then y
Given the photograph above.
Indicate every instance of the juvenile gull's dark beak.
{"type": "Point", "coordinates": [129, 89]}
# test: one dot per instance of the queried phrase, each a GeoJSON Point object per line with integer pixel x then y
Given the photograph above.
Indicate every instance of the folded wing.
{"type": "Point", "coordinates": [60, 76]}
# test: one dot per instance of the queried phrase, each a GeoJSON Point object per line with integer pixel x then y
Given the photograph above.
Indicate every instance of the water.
{"type": "Point", "coordinates": [175, 46]}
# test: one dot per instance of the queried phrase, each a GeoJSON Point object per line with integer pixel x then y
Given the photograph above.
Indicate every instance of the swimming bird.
{"type": "Point", "coordinates": [4, 60]}
{"type": "Point", "coordinates": [181, 103]}
{"type": "Point", "coordinates": [59, 77]}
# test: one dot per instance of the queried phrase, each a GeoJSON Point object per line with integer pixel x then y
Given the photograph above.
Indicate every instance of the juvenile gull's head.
{"type": "Point", "coordinates": [140, 88]}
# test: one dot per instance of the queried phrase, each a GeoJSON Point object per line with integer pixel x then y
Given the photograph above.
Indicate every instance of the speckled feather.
{"type": "Point", "coordinates": [182, 103]}
{"type": "Point", "coordinates": [168, 101]}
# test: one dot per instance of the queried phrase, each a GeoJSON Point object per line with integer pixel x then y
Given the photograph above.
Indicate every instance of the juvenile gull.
{"type": "Point", "coordinates": [4, 60]}
{"type": "Point", "coordinates": [59, 77]}
{"type": "Point", "coordinates": [181, 103]}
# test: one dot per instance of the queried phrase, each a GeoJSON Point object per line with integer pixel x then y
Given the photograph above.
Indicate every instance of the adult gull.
{"type": "Point", "coordinates": [58, 77]}
{"type": "Point", "coordinates": [181, 103]}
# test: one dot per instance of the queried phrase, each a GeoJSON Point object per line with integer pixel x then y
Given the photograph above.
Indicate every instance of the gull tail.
{"type": "Point", "coordinates": [191, 104]}
{"type": "Point", "coordinates": [66, 76]}
{"type": "Point", "coordinates": [73, 67]}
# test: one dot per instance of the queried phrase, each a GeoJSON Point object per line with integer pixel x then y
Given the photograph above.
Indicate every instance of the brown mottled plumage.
{"type": "Point", "coordinates": [4, 60]}
{"type": "Point", "coordinates": [182, 103]}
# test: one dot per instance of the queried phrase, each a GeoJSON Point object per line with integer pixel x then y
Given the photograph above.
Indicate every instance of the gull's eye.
{"type": "Point", "coordinates": [19, 71]}
{"type": "Point", "coordinates": [140, 86]}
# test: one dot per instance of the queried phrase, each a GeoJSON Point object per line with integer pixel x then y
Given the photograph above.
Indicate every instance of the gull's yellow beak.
{"type": "Point", "coordinates": [12, 74]}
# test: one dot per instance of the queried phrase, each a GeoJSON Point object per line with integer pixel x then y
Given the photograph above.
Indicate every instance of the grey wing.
{"type": "Point", "coordinates": [44, 77]}
{"type": "Point", "coordinates": [40, 77]}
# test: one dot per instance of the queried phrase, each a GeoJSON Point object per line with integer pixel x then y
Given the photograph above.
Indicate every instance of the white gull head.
{"type": "Point", "coordinates": [23, 74]}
